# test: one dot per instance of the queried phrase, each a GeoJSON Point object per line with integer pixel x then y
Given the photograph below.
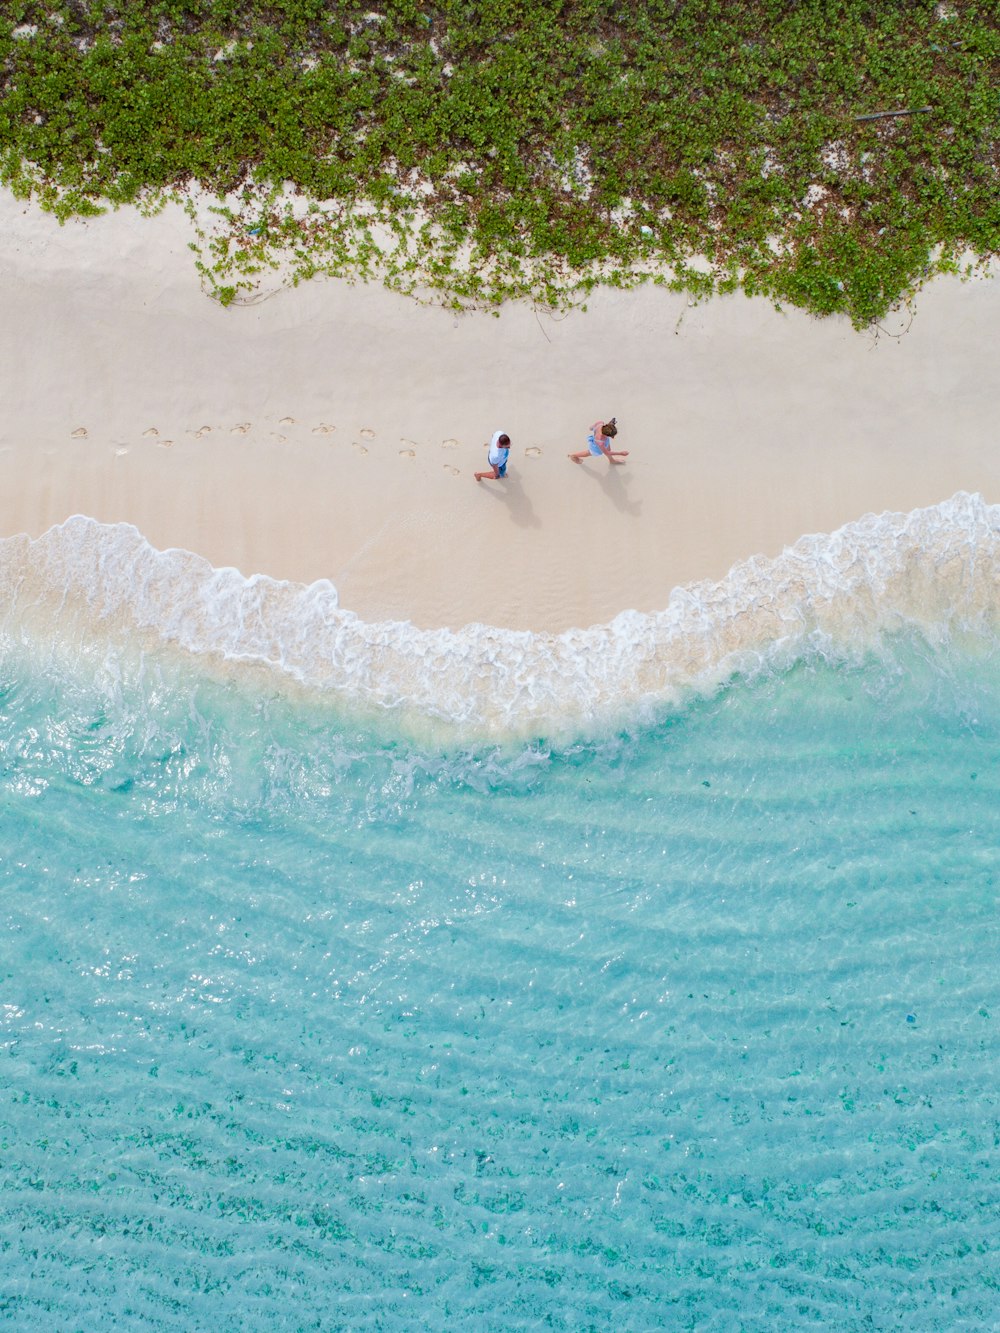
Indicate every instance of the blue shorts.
{"type": "Point", "coordinates": [594, 447]}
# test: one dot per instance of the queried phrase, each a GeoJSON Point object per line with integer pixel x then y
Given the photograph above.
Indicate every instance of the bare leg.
{"type": "Point", "coordinates": [578, 458]}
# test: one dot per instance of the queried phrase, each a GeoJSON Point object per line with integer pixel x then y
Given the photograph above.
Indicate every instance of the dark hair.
{"type": "Point", "coordinates": [503, 442]}
{"type": "Point", "coordinates": [609, 428]}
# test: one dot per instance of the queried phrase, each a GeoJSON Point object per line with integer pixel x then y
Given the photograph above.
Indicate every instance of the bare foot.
{"type": "Point", "coordinates": [573, 458]}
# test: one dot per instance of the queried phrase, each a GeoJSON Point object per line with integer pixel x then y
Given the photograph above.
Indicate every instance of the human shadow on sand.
{"type": "Point", "coordinates": [510, 492]}
{"type": "Point", "coordinates": [615, 486]}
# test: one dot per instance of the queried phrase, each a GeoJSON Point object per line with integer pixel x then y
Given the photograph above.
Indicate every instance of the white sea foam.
{"type": "Point", "coordinates": [85, 584]}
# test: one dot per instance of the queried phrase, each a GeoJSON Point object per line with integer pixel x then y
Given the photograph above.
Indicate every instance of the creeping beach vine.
{"type": "Point", "coordinates": [825, 156]}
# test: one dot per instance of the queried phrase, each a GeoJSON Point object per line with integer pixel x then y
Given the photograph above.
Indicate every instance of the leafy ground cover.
{"type": "Point", "coordinates": [490, 149]}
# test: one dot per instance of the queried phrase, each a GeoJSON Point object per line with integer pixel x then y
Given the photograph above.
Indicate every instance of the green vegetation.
{"type": "Point", "coordinates": [498, 148]}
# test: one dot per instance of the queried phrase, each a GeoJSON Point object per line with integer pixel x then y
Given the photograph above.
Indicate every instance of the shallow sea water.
{"type": "Point", "coordinates": [323, 1009]}
{"type": "Point", "coordinates": [690, 1024]}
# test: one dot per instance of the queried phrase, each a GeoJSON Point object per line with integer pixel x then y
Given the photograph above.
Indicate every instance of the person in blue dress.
{"type": "Point", "coordinates": [599, 444]}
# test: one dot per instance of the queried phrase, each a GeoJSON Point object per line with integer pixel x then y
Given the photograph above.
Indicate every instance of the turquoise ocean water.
{"type": "Point", "coordinates": [664, 998]}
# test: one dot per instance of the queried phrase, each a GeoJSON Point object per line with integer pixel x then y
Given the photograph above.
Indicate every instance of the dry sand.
{"type": "Point", "coordinates": [332, 431]}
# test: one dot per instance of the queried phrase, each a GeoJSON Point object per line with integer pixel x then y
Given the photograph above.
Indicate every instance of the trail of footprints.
{"type": "Point", "coordinates": [409, 449]}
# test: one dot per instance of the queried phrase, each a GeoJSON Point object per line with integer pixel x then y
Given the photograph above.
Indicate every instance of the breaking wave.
{"type": "Point", "coordinates": [86, 587]}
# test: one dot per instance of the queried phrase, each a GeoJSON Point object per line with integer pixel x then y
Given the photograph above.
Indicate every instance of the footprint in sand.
{"type": "Point", "coordinates": [367, 433]}
{"type": "Point", "coordinates": [407, 453]}
{"type": "Point", "coordinates": [287, 421]}
{"type": "Point", "coordinates": [282, 439]}
{"type": "Point", "coordinates": [449, 444]}
{"type": "Point", "coordinates": [452, 470]}
{"type": "Point", "coordinates": [202, 430]}
{"type": "Point", "coordinates": [79, 434]}
{"type": "Point", "coordinates": [165, 444]}
{"type": "Point", "coordinates": [323, 429]}
{"type": "Point", "coordinates": [243, 428]}
{"type": "Point", "coordinates": [150, 434]}
{"type": "Point", "coordinates": [533, 452]}
{"type": "Point", "coordinates": [360, 447]}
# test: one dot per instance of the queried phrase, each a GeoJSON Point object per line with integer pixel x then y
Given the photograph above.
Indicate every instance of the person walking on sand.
{"type": "Point", "coordinates": [599, 443]}
{"type": "Point", "coordinates": [497, 457]}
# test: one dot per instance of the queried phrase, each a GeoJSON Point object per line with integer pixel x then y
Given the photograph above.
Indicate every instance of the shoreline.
{"type": "Point", "coordinates": [747, 428]}
{"type": "Point", "coordinates": [97, 602]}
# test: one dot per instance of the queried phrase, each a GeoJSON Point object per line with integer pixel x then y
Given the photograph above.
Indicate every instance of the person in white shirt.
{"type": "Point", "coordinates": [497, 457]}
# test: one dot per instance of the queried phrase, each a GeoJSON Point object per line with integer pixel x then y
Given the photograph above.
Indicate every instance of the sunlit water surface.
{"type": "Point", "coordinates": [693, 1025]}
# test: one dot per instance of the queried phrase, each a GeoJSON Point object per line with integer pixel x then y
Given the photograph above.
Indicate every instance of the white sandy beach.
{"type": "Point", "coordinates": [332, 431]}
